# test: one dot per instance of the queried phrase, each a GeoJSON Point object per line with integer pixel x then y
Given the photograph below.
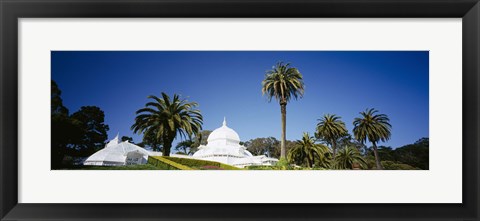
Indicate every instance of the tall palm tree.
{"type": "Point", "coordinates": [165, 118]}
{"type": "Point", "coordinates": [283, 82]}
{"type": "Point", "coordinates": [309, 151]}
{"type": "Point", "coordinates": [347, 157]}
{"type": "Point", "coordinates": [330, 128]}
{"type": "Point", "coordinates": [374, 127]}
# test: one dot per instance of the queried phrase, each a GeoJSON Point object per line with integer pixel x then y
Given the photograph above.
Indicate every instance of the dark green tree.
{"type": "Point", "coordinates": [59, 117]}
{"type": "Point", "coordinates": [57, 108]}
{"type": "Point", "coordinates": [92, 123]}
{"type": "Point", "coordinates": [125, 138]}
{"type": "Point", "coordinates": [201, 138]}
{"type": "Point", "coordinates": [283, 82]}
{"type": "Point", "coordinates": [149, 140]}
{"type": "Point", "coordinates": [184, 147]}
{"type": "Point", "coordinates": [416, 154]}
{"type": "Point", "coordinates": [386, 153]}
{"type": "Point", "coordinates": [64, 131]}
{"type": "Point", "coordinates": [263, 146]}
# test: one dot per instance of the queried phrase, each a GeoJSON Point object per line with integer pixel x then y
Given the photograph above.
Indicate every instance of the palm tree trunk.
{"type": "Point", "coordinates": [309, 162]}
{"type": "Point", "coordinates": [283, 151]}
{"type": "Point", "coordinates": [334, 148]}
{"type": "Point", "coordinates": [166, 148]}
{"type": "Point", "coordinates": [377, 158]}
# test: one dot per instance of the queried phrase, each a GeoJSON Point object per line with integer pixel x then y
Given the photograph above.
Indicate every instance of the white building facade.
{"type": "Point", "coordinates": [118, 153]}
{"type": "Point", "coordinates": [223, 145]}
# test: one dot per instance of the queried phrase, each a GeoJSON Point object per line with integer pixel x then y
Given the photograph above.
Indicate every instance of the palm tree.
{"type": "Point", "coordinates": [165, 118]}
{"type": "Point", "coordinates": [309, 151]}
{"type": "Point", "coordinates": [374, 127]}
{"type": "Point", "coordinates": [347, 157]}
{"type": "Point", "coordinates": [330, 128]}
{"type": "Point", "coordinates": [282, 83]}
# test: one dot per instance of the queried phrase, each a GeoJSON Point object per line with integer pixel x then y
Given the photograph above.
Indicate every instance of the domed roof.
{"type": "Point", "coordinates": [224, 133]}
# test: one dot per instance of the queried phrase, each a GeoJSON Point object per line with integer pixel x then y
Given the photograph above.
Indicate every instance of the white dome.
{"type": "Point", "coordinates": [224, 146]}
{"type": "Point", "coordinates": [223, 134]}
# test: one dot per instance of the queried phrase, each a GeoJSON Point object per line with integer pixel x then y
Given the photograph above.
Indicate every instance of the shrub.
{"type": "Point", "coordinates": [281, 168]}
{"type": "Point", "coordinates": [391, 165]}
{"type": "Point", "coordinates": [258, 167]}
{"type": "Point", "coordinates": [283, 164]}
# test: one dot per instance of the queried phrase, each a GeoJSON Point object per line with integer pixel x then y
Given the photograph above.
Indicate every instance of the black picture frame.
{"type": "Point", "coordinates": [12, 10]}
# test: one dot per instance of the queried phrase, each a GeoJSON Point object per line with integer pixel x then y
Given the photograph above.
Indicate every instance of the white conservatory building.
{"type": "Point", "coordinates": [223, 145]}
{"type": "Point", "coordinates": [118, 153]}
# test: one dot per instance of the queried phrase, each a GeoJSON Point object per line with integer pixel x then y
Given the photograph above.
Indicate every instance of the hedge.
{"type": "Point", "coordinates": [200, 163]}
{"type": "Point", "coordinates": [391, 165]}
{"type": "Point", "coordinates": [166, 164]}
{"type": "Point", "coordinates": [261, 167]}
{"type": "Point", "coordinates": [266, 167]}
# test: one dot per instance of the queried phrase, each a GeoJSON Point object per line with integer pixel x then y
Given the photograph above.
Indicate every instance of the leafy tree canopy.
{"type": "Point", "coordinates": [92, 123]}
{"type": "Point", "coordinates": [185, 147]}
{"type": "Point", "coordinates": [76, 135]}
{"type": "Point", "coordinates": [57, 107]}
{"type": "Point", "coordinates": [415, 155]}
{"type": "Point", "coordinates": [125, 138]}
{"type": "Point", "coordinates": [201, 138]}
{"type": "Point", "coordinates": [308, 153]}
{"type": "Point", "coordinates": [263, 146]}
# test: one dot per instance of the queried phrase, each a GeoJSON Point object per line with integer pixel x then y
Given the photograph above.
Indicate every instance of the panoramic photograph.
{"type": "Point", "coordinates": [239, 110]}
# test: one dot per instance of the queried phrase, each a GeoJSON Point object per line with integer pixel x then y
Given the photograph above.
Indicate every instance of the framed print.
{"type": "Point", "coordinates": [224, 110]}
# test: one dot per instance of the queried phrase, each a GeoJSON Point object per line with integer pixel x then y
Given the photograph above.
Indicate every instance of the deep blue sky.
{"type": "Point", "coordinates": [228, 83]}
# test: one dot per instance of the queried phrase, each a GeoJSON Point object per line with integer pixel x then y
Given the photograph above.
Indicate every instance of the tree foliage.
{"type": "Point", "coordinates": [77, 135]}
{"type": "Point", "coordinates": [201, 138]}
{"type": "Point", "coordinates": [374, 127]}
{"type": "Point", "coordinates": [263, 146]}
{"type": "Point", "coordinates": [347, 158]}
{"type": "Point", "coordinates": [150, 140]}
{"type": "Point", "coordinates": [348, 141]}
{"type": "Point", "coordinates": [391, 165]}
{"type": "Point", "coordinates": [125, 138]}
{"type": "Point", "coordinates": [415, 155]}
{"type": "Point", "coordinates": [65, 134]}
{"type": "Point", "coordinates": [185, 147]}
{"type": "Point", "coordinates": [330, 128]}
{"type": "Point", "coordinates": [283, 82]}
{"type": "Point", "coordinates": [57, 108]}
{"type": "Point", "coordinates": [92, 123]}
{"type": "Point", "coordinates": [309, 153]}
{"type": "Point", "coordinates": [164, 118]}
